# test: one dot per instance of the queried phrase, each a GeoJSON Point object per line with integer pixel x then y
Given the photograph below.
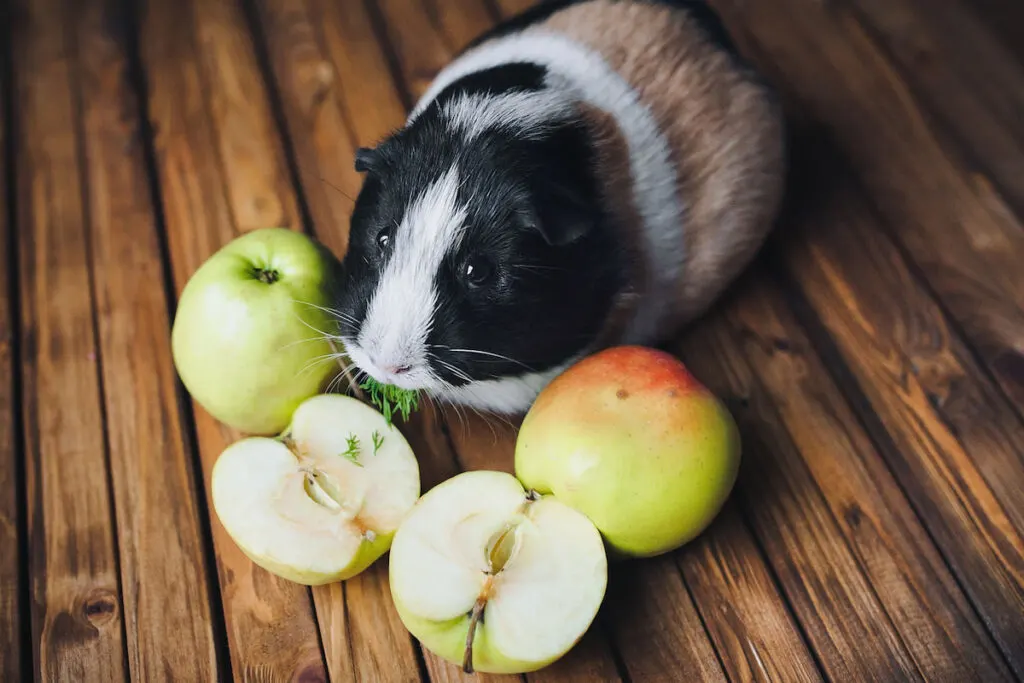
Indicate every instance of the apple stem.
{"type": "Point", "coordinates": [476, 616]}
{"type": "Point", "coordinates": [267, 277]}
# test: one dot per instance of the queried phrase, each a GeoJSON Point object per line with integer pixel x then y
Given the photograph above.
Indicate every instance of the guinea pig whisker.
{"type": "Point", "coordinates": [489, 354]}
{"type": "Point", "coordinates": [524, 266]}
{"type": "Point", "coordinates": [454, 370]}
{"type": "Point", "coordinates": [337, 189]}
{"type": "Point", "coordinates": [494, 432]}
{"type": "Point", "coordinates": [299, 341]}
{"type": "Point", "coordinates": [340, 315]}
{"type": "Point", "coordinates": [322, 333]}
{"type": "Point", "coordinates": [315, 362]}
{"type": "Point", "coordinates": [459, 412]}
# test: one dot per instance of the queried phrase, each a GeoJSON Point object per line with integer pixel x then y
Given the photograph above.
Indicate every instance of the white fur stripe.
{"type": "Point", "coordinates": [399, 317]}
{"type": "Point", "coordinates": [582, 73]}
{"type": "Point", "coordinates": [525, 113]}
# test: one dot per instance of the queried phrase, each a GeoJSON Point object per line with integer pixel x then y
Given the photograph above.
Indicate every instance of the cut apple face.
{"type": "Point", "coordinates": [321, 502]}
{"type": "Point", "coordinates": [495, 578]}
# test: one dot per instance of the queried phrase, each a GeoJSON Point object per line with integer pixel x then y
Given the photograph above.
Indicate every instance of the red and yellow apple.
{"type": "Point", "coordinates": [630, 438]}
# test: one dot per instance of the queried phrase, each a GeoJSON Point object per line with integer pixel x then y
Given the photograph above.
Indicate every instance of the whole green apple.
{"type": "Point", "coordinates": [494, 577]}
{"type": "Point", "coordinates": [247, 338]}
{"type": "Point", "coordinates": [632, 440]}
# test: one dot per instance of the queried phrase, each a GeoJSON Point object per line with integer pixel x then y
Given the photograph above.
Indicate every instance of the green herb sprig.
{"type": "Point", "coordinates": [378, 441]}
{"type": "Point", "coordinates": [391, 400]}
{"type": "Point", "coordinates": [352, 453]}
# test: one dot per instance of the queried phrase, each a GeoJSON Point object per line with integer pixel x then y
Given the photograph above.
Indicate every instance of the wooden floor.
{"type": "Point", "coordinates": [874, 356]}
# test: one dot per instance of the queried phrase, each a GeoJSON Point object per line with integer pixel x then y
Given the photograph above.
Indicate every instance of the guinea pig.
{"type": "Point", "coordinates": [590, 173]}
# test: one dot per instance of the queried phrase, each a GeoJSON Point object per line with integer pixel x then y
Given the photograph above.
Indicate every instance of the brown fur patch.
{"type": "Point", "coordinates": [724, 130]}
{"type": "Point", "coordinates": [617, 195]}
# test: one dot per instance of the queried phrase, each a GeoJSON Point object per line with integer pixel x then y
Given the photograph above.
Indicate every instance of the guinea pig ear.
{"type": "Point", "coordinates": [366, 159]}
{"type": "Point", "coordinates": [561, 216]}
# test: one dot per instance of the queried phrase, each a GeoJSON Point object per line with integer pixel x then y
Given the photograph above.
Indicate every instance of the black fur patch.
{"type": "Point", "coordinates": [512, 77]}
{"type": "Point", "coordinates": [548, 296]}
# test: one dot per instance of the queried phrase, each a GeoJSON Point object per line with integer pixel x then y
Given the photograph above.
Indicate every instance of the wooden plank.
{"type": "Point", "coordinates": [163, 564]}
{"type": "Point", "coordinates": [419, 47]}
{"type": "Point", "coordinates": [259, 190]}
{"type": "Point", "coordinates": [843, 617]}
{"type": "Point", "coordinates": [962, 73]}
{"type": "Point", "coordinates": [200, 218]}
{"type": "Point", "coordinates": [12, 594]}
{"type": "Point", "coordinates": [946, 431]}
{"type": "Point", "coordinates": [77, 623]}
{"type": "Point", "coordinates": [163, 561]}
{"type": "Point", "coordinates": [949, 220]}
{"type": "Point", "coordinates": [508, 8]}
{"type": "Point", "coordinates": [940, 629]}
{"type": "Point", "coordinates": [753, 631]}
{"type": "Point", "coordinates": [315, 51]}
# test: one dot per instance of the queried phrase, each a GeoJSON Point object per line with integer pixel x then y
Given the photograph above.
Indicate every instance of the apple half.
{"type": "Point", "coordinates": [321, 502]}
{"type": "Point", "coordinates": [494, 577]}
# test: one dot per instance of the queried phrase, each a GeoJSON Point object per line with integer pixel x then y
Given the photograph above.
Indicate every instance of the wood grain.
{"type": "Point", "coordinates": [420, 47]}
{"type": "Point", "coordinates": [749, 621]}
{"type": "Point", "coordinates": [12, 597]}
{"type": "Point", "coordinates": [311, 79]}
{"type": "Point", "coordinates": [921, 597]}
{"type": "Point", "coordinates": [854, 637]}
{"type": "Point", "coordinates": [961, 73]}
{"type": "Point", "coordinates": [163, 565]}
{"type": "Point", "coordinates": [259, 190]}
{"type": "Point", "coordinates": [271, 628]}
{"type": "Point", "coordinates": [510, 8]}
{"type": "Point", "coordinates": [946, 431]}
{"type": "Point", "coordinates": [336, 94]}
{"type": "Point", "coordinates": [949, 220]}
{"type": "Point", "coordinates": [77, 613]}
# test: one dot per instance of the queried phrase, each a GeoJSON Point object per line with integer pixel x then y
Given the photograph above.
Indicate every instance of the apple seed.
{"type": "Point", "coordinates": [323, 490]}
{"type": "Point", "coordinates": [501, 549]}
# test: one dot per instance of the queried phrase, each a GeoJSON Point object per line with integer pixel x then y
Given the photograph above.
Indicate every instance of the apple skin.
{"type": "Point", "coordinates": [632, 440]}
{"type": "Point", "coordinates": [448, 641]}
{"type": "Point", "coordinates": [245, 350]}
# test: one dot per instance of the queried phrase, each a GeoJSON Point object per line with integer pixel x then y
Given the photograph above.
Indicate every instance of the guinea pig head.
{"type": "Point", "coordinates": [475, 257]}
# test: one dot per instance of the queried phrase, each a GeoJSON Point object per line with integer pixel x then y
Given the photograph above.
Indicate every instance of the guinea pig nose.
{"type": "Point", "coordinates": [397, 369]}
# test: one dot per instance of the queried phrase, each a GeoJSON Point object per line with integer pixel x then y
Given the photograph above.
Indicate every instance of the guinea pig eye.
{"type": "Point", "coordinates": [384, 238]}
{"type": "Point", "coordinates": [477, 272]}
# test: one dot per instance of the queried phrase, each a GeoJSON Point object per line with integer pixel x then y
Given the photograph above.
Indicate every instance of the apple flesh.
{"type": "Point", "coordinates": [632, 440]}
{"type": "Point", "coordinates": [494, 577]}
{"type": "Point", "coordinates": [321, 503]}
{"type": "Point", "coordinates": [248, 337]}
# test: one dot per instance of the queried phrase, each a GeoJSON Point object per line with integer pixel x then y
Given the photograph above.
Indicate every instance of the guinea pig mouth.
{"type": "Point", "coordinates": [405, 374]}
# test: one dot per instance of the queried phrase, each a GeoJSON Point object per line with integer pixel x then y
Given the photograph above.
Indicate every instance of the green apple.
{"type": "Point", "coordinates": [248, 338]}
{"type": "Point", "coordinates": [631, 439]}
{"type": "Point", "coordinates": [494, 577]}
{"type": "Point", "coordinates": [320, 503]}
